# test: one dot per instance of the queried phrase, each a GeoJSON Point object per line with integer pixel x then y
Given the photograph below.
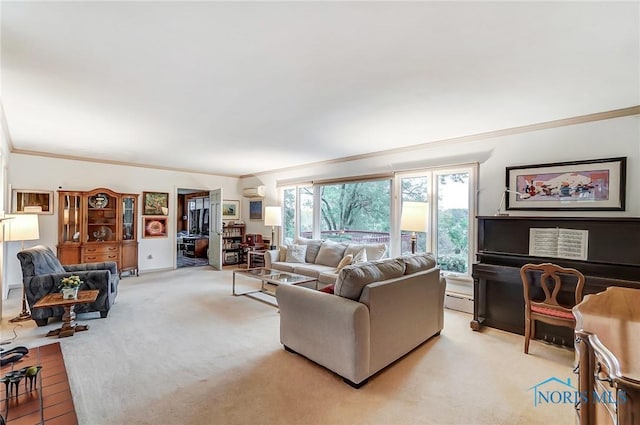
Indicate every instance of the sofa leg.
{"type": "Point", "coordinates": [103, 314]}
{"type": "Point", "coordinates": [354, 385]}
{"type": "Point", "coordinates": [41, 322]}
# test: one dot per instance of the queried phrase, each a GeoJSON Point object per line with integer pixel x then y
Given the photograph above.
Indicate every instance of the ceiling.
{"type": "Point", "coordinates": [235, 88]}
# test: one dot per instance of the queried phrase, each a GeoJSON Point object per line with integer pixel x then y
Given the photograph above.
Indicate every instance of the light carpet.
{"type": "Point", "coordinates": [178, 348]}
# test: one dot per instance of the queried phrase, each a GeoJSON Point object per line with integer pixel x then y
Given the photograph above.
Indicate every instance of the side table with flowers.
{"type": "Point", "coordinates": [69, 287]}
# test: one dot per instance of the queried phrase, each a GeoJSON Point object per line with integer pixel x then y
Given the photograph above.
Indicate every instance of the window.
{"type": "Point", "coordinates": [358, 212]}
{"type": "Point", "coordinates": [298, 212]}
{"type": "Point", "coordinates": [362, 211]}
{"type": "Point", "coordinates": [415, 189]}
{"type": "Point", "coordinates": [452, 223]}
{"type": "Point", "coordinates": [198, 218]}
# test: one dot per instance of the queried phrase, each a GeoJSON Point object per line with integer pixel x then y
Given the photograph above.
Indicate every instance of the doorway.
{"type": "Point", "coordinates": [192, 228]}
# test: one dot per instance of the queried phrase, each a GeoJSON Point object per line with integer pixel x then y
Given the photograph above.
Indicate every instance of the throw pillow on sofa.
{"type": "Point", "coordinates": [359, 253]}
{"type": "Point", "coordinates": [352, 279]}
{"type": "Point", "coordinates": [373, 251]}
{"type": "Point", "coordinates": [330, 253]}
{"type": "Point", "coordinates": [418, 262]}
{"type": "Point", "coordinates": [346, 260]}
{"type": "Point", "coordinates": [282, 254]}
{"type": "Point", "coordinates": [313, 247]}
{"type": "Point", "coordinates": [296, 253]}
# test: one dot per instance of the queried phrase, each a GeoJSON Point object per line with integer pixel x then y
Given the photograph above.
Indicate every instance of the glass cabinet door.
{"type": "Point", "coordinates": [128, 217]}
{"type": "Point", "coordinates": [71, 218]}
{"type": "Point", "coordinates": [101, 217]}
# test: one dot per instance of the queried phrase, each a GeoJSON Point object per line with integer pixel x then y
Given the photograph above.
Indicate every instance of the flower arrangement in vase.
{"type": "Point", "coordinates": [69, 287]}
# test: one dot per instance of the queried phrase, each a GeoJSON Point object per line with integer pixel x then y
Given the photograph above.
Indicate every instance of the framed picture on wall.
{"type": "Point", "coordinates": [154, 226]}
{"type": "Point", "coordinates": [155, 203]}
{"type": "Point", "coordinates": [597, 184]}
{"type": "Point", "coordinates": [31, 201]}
{"type": "Point", "coordinates": [230, 210]}
{"type": "Point", "coordinates": [255, 210]}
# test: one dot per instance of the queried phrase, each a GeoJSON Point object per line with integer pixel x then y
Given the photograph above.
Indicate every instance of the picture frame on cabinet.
{"type": "Point", "coordinates": [24, 201]}
{"type": "Point", "coordinates": [591, 185]}
{"type": "Point", "coordinates": [255, 210]}
{"type": "Point", "coordinates": [155, 203]}
{"type": "Point", "coordinates": [230, 209]}
{"type": "Point", "coordinates": [155, 226]}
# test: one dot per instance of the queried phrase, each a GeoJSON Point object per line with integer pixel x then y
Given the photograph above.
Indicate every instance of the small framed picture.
{"type": "Point", "coordinates": [255, 210]}
{"type": "Point", "coordinates": [155, 203]}
{"type": "Point", "coordinates": [154, 226]}
{"type": "Point", "coordinates": [230, 210]}
{"type": "Point", "coordinates": [31, 201]}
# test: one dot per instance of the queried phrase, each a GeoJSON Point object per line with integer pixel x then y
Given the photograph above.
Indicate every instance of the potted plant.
{"type": "Point", "coordinates": [69, 287]}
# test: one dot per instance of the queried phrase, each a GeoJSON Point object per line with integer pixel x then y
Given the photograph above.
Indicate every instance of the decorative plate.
{"type": "Point", "coordinates": [100, 200]}
{"type": "Point", "coordinates": [103, 234]}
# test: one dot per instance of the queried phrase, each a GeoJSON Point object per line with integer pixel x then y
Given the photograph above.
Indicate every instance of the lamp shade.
{"type": "Point", "coordinates": [273, 216]}
{"type": "Point", "coordinates": [414, 216]}
{"type": "Point", "coordinates": [22, 227]}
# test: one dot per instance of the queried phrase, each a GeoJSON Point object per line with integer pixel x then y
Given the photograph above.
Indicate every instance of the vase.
{"type": "Point", "coordinates": [69, 293]}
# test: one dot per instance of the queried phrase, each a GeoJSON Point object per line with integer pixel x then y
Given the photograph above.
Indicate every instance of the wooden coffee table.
{"type": "Point", "coordinates": [69, 327]}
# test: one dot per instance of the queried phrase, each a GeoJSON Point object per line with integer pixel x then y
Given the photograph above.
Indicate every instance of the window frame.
{"type": "Point", "coordinates": [395, 232]}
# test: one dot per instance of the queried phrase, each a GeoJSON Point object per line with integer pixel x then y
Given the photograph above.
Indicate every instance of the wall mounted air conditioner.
{"type": "Point", "coordinates": [253, 192]}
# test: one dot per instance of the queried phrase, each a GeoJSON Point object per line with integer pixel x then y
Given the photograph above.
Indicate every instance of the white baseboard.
{"type": "Point", "coordinates": [459, 302]}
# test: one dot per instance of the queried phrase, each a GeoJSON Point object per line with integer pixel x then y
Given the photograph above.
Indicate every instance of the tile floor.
{"type": "Point", "coordinates": [50, 402]}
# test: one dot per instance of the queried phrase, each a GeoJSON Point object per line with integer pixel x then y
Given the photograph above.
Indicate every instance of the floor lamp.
{"type": "Point", "coordinates": [273, 218]}
{"type": "Point", "coordinates": [414, 219]}
{"type": "Point", "coordinates": [22, 227]}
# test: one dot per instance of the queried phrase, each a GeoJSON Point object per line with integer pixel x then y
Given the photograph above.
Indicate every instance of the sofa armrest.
{"type": "Point", "coordinates": [415, 315]}
{"type": "Point", "coordinates": [271, 257]}
{"type": "Point", "coordinates": [330, 330]}
{"type": "Point", "coordinates": [37, 287]}
{"type": "Point", "coordinates": [112, 266]}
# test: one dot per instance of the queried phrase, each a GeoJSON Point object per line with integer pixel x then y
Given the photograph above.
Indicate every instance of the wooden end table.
{"type": "Point", "coordinates": [69, 327]}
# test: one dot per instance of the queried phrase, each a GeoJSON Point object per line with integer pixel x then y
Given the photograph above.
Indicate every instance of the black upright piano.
{"type": "Point", "coordinates": [613, 259]}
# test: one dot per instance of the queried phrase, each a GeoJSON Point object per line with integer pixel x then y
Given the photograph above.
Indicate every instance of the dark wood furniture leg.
{"type": "Point", "coordinates": [69, 327]}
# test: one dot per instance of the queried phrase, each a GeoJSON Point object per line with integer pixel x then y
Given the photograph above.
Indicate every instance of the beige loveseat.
{"type": "Point", "coordinates": [320, 258]}
{"type": "Point", "coordinates": [379, 312]}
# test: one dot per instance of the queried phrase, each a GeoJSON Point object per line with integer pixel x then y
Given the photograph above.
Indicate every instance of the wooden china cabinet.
{"type": "Point", "coordinates": [96, 226]}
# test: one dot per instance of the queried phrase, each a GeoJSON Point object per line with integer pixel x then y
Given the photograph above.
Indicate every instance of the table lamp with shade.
{"type": "Point", "coordinates": [414, 219]}
{"type": "Point", "coordinates": [273, 218]}
{"type": "Point", "coordinates": [22, 227]}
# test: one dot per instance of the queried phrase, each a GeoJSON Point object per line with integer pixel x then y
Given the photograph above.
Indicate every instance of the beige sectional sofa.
{"type": "Point", "coordinates": [379, 312]}
{"type": "Point", "coordinates": [320, 258]}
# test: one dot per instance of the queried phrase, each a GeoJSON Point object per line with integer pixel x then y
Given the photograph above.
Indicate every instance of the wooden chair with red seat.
{"type": "Point", "coordinates": [545, 306]}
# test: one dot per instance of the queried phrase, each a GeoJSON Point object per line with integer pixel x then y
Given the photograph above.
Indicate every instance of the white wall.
{"type": "Point", "coordinates": [600, 139]}
{"type": "Point", "coordinates": [33, 172]}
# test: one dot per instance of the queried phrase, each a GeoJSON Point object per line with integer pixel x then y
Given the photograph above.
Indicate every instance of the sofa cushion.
{"type": "Point", "coordinates": [285, 267]}
{"type": "Point", "coordinates": [374, 251]}
{"type": "Point", "coordinates": [417, 262]}
{"type": "Point", "coordinates": [313, 246]}
{"type": "Point", "coordinates": [330, 253]}
{"type": "Point", "coordinates": [352, 279]}
{"type": "Point", "coordinates": [359, 253]}
{"type": "Point", "coordinates": [296, 253]}
{"type": "Point", "coordinates": [328, 277]}
{"type": "Point", "coordinates": [312, 270]}
{"type": "Point", "coordinates": [346, 260]}
{"type": "Point", "coordinates": [39, 260]}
